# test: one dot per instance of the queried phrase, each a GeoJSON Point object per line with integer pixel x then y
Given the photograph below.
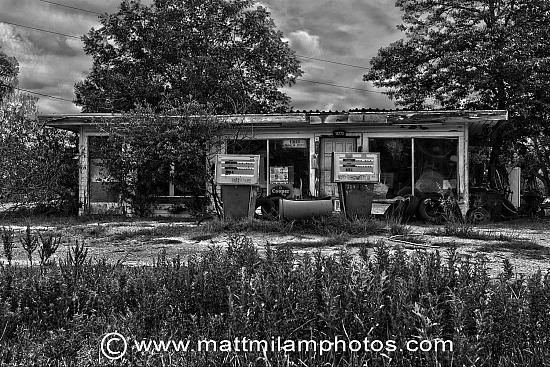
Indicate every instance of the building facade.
{"type": "Point", "coordinates": [421, 153]}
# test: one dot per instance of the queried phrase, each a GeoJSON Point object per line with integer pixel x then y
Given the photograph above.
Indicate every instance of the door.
{"type": "Point", "coordinates": [327, 147]}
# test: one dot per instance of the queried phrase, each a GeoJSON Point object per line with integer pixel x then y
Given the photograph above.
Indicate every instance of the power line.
{"type": "Point", "coordinates": [301, 56]}
{"type": "Point", "coordinates": [305, 80]}
{"type": "Point", "coordinates": [333, 62]}
{"type": "Point", "coordinates": [38, 29]}
{"type": "Point", "coordinates": [70, 7]}
{"type": "Point", "coordinates": [45, 95]}
{"type": "Point", "coordinates": [340, 86]}
{"type": "Point", "coordinates": [40, 94]}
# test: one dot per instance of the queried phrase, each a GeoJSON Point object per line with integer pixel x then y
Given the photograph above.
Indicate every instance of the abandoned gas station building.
{"type": "Point", "coordinates": [421, 152]}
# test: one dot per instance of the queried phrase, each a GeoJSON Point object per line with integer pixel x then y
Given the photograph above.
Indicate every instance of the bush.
{"type": "Point", "coordinates": [38, 174]}
{"type": "Point", "coordinates": [147, 149]}
{"type": "Point", "coordinates": [57, 315]}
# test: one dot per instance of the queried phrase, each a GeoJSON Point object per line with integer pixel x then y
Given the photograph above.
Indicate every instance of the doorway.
{"type": "Point", "coordinates": [327, 146]}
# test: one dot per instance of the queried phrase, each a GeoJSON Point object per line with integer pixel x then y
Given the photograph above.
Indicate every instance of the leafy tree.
{"type": "Point", "coordinates": [36, 163]}
{"type": "Point", "coordinates": [221, 52]}
{"type": "Point", "coordinates": [8, 74]}
{"type": "Point", "coordinates": [490, 54]}
{"type": "Point", "coordinates": [145, 150]}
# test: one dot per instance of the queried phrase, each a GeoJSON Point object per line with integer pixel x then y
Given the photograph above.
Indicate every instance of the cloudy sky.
{"type": "Point", "coordinates": [342, 31]}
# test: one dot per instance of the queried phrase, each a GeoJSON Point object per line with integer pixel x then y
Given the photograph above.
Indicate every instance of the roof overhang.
{"type": "Point", "coordinates": [482, 124]}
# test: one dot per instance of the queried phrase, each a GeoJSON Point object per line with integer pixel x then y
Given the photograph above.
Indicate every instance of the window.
{"type": "Point", "coordinates": [102, 186]}
{"type": "Point", "coordinates": [434, 168]}
{"type": "Point", "coordinates": [395, 167]}
{"type": "Point", "coordinates": [284, 164]}
{"type": "Point", "coordinates": [435, 165]}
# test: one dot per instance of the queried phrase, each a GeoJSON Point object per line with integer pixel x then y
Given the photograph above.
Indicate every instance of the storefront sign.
{"type": "Point", "coordinates": [237, 169]}
{"type": "Point", "coordinates": [295, 143]}
{"type": "Point", "coordinates": [356, 167]}
{"type": "Point", "coordinates": [281, 190]}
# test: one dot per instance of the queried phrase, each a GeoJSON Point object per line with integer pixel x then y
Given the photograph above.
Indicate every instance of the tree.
{"type": "Point", "coordinates": [8, 74]}
{"type": "Point", "coordinates": [145, 150]}
{"type": "Point", "coordinates": [220, 52]}
{"type": "Point", "coordinates": [489, 54]}
{"type": "Point", "coordinates": [36, 163]}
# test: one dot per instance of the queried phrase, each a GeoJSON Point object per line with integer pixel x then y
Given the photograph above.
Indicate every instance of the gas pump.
{"type": "Point", "coordinates": [238, 176]}
{"type": "Point", "coordinates": [356, 174]}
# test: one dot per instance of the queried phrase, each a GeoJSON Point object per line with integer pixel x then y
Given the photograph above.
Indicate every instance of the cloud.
{"type": "Point", "coordinates": [52, 45]}
{"type": "Point", "coordinates": [303, 42]}
{"type": "Point", "coordinates": [346, 31]}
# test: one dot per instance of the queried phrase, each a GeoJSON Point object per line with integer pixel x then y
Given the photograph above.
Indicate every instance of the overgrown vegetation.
{"type": "Point", "coordinates": [468, 231]}
{"type": "Point", "coordinates": [163, 230]}
{"type": "Point", "coordinates": [38, 174]}
{"type": "Point", "coordinates": [56, 314]}
{"type": "Point", "coordinates": [144, 152]}
{"type": "Point", "coordinates": [332, 225]}
{"type": "Point", "coordinates": [335, 241]}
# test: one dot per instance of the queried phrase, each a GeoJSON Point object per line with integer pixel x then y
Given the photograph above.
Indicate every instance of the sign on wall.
{"type": "Point", "coordinates": [356, 167]}
{"type": "Point", "coordinates": [278, 175]}
{"type": "Point", "coordinates": [281, 175]}
{"type": "Point", "coordinates": [295, 143]}
{"type": "Point", "coordinates": [282, 190]}
{"type": "Point", "coordinates": [237, 169]}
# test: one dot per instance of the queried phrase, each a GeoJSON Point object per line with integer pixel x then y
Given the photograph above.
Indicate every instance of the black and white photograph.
{"type": "Point", "coordinates": [275, 183]}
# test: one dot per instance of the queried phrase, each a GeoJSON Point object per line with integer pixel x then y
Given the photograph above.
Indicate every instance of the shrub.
{"type": "Point", "coordinates": [53, 317]}
{"type": "Point", "coordinates": [147, 149]}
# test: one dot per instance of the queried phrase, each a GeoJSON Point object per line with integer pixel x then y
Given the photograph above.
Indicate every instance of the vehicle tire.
{"type": "Point", "coordinates": [265, 209]}
{"type": "Point", "coordinates": [478, 215]}
{"type": "Point", "coordinates": [430, 209]}
{"type": "Point", "coordinates": [508, 210]}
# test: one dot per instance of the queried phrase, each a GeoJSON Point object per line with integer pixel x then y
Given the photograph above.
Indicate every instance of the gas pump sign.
{"type": "Point", "coordinates": [237, 169]}
{"type": "Point", "coordinates": [356, 167]}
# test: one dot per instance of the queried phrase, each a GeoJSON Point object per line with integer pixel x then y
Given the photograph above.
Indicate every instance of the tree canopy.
{"type": "Point", "coordinates": [8, 74]}
{"type": "Point", "coordinates": [479, 54]}
{"type": "Point", "coordinates": [223, 53]}
{"type": "Point", "coordinates": [476, 53]}
{"type": "Point", "coordinates": [36, 163]}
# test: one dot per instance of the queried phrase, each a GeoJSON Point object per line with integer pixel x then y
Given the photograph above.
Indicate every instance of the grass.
{"type": "Point", "coordinates": [202, 237]}
{"type": "Point", "coordinates": [468, 231]}
{"type": "Point", "coordinates": [518, 247]}
{"type": "Point", "coordinates": [335, 241]}
{"type": "Point", "coordinates": [533, 223]}
{"type": "Point", "coordinates": [324, 226]}
{"type": "Point", "coordinates": [165, 241]}
{"type": "Point", "coordinates": [366, 244]}
{"type": "Point", "coordinates": [398, 229]}
{"type": "Point", "coordinates": [57, 313]}
{"type": "Point", "coordinates": [162, 230]}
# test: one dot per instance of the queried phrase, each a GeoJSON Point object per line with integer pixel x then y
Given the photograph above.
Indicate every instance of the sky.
{"type": "Point", "coordinates": [342, 31]}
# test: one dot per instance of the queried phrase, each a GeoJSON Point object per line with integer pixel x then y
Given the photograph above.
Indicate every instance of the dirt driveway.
{"type": "Point", "coordinates": [524, 242]}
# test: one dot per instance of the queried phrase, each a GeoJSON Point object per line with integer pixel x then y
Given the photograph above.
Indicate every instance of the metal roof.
{"type": "Point", "coordinates": [481, 123]}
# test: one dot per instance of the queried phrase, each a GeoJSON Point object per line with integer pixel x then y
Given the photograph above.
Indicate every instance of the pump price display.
{"type": "Point", "coordinates": [237, 169]}
{"type": "Point", "coordinates": [356, 167]}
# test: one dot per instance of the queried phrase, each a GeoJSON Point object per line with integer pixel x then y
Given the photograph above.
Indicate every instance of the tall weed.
{"type": "Point", "coordinates": [57, 316]}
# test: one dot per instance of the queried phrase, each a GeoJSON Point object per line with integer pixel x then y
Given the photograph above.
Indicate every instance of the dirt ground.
{"type": "Point", "coordinates": [524, 242]}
